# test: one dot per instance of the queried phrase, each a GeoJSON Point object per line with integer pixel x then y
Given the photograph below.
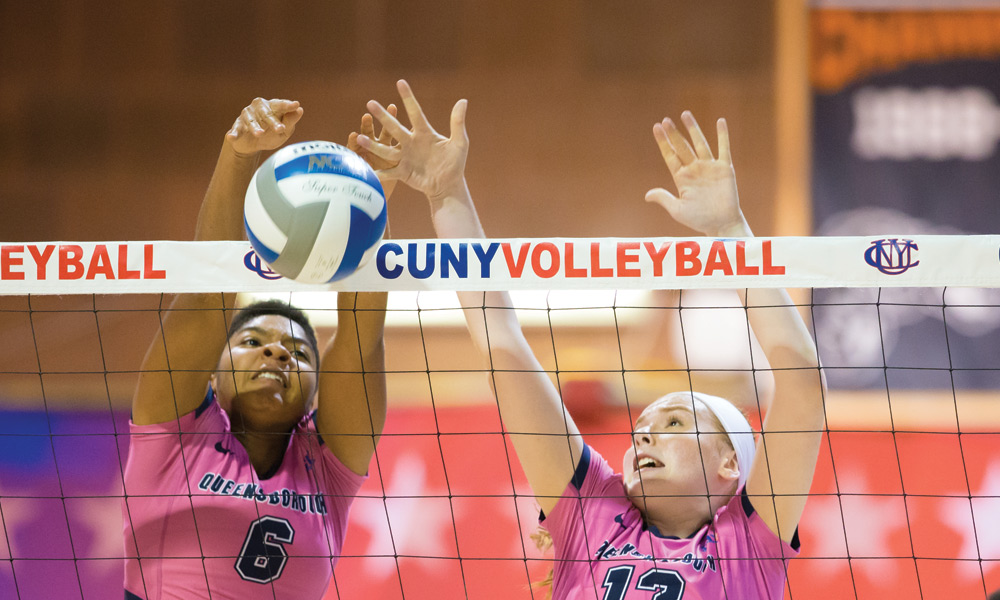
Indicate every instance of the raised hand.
{"type": "Point", "coordinates": [425, 160]}
{"type": "Point", "coordinates": [368, 130]}
{"type": "Point", "coordinates": [264, 125]}
{"type": "Point", "coordinates": [707, 199]}
{"type": "Point", "coordinates": [375, 161]}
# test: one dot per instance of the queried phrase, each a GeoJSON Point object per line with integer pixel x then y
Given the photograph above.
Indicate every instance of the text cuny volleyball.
{"type": "Point", "coordinates": [426, 259]}
{"type": "Point", "coordinates": [587, 259]}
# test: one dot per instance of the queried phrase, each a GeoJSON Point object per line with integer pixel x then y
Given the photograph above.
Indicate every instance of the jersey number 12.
{"type": "Point", "coordinates": [667, 584]}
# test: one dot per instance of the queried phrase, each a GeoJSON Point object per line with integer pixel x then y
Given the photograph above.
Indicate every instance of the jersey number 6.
{"type": "Point", "coordinates": [263, 556]}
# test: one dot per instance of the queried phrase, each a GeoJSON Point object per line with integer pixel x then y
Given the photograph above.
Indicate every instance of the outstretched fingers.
{"type": "Point", "coordinates": [389, 121]}
{"type": "Point", "coordinates": [458, 132]}
{"type": "Point", "coordinates": [413, 111]}
{"type": "Point", "coordinates": [701, 147]}
{"type": "Point", "coordinates": [368, 125]}
{"type": "Point", "coordinates": [722, 129]}
{"type": "Point", "coordinates": [379, 149]}
{"type": "Point", "coordinates": [420, 157]}
{"type": "Point", "coordinates": [384, 136]}
{"type": "Point", "coordinates": [681, 146]}
{"type": "Point", "coordinates": [367, 130]}
{"type": "Point", "coordinates": [666, 148]}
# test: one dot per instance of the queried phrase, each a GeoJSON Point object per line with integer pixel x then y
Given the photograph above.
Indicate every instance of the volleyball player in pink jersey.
{"type": "Point", "coordinates": [235, 488]}
{"type": "Point", "coordinates": [700, 510]}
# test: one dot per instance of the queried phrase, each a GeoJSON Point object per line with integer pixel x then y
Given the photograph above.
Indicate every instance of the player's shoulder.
{"type": "Point", "coordinates": [207, 417]}
{"type": "Point", "coordinates": [739, 519]}
{"type": "Point", "coordinates": [595, 476]}
{"type": "Point", "coordinates": [735, 513]}
{"type": "Point", "coordinates": [309, 447]}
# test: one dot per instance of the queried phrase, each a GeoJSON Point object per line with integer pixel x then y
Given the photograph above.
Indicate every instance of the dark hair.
{"type": "Point", "coordinates": [275, 307]}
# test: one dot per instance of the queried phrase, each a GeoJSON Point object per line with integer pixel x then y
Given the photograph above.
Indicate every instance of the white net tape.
{"type": "Point", "coordinates": [526, 264]}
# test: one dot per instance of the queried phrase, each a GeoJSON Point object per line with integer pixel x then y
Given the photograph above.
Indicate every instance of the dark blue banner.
{"type": "Point", "coordinates": [906, 125]}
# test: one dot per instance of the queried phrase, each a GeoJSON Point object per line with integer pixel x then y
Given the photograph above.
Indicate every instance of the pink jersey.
{"type": "Point", "coordinates": [197, 517]}
{"type": "Point", "coordinates": [605, 551]}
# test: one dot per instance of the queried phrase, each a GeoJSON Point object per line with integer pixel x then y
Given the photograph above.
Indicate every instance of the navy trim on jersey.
{"type": "Point", "coordinates": [749, 510]}
{"type": "Point", "coordinates": [205, 403]}
{"type": "Point", "coordinates": [656, 532]}
{"type": "Point", "coordinates": [581, 468]}
{"type": "Point", "coordinates": [647, 526]}
{"type": "Point", "coordinates": [578, 476]}
{"type": "Point", "coordinates": [745, 501]}
{"type": "Point", "coordinates": [130, 596]}
{"type": "Point", "coordinates": [316, 425]}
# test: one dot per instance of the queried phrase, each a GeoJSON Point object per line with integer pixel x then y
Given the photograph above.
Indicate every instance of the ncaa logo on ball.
{"type": "Point", "coordinates": [315, 212]}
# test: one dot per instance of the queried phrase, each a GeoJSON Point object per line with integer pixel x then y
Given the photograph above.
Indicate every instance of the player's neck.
{"type": "Point", "coordinates": [682, 515]}
{"type": "Point", "coordinates": [265, 454]}
{"type": "Point", "coordinates": [677, 517]}
{"type": "Point", "coordinates": [265, 449]}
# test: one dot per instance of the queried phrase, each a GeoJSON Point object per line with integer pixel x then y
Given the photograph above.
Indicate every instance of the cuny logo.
{"type": "Point", "coordinates": [892, 256]}
{"type": "Point", "coordinates": [258, 266]}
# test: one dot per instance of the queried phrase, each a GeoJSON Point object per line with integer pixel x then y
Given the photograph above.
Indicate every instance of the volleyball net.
{"type": "Point", "coordinates": [905, 500]}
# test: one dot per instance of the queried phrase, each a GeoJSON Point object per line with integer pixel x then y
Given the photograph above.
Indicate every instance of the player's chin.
{"type": "Point", "coordinates": [639, 497]}
{"type": "Point", "coordinates": [270, 401]}
{"type": "Point", "coordinates": [636, 488]}
{"type": "Point", "coordinates": [273, 416]}
{"type": "Point", "coordinates": [645, 485]}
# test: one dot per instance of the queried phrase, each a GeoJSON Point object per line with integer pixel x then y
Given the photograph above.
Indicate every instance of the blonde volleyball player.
{"type": "Point", "coordinates": [234, 486]}
{"type": "Point", "coordinates": [699, 510]}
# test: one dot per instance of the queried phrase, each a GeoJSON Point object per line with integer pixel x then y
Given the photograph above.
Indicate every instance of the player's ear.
{"type": "Point", "coordinates": [729, 467]}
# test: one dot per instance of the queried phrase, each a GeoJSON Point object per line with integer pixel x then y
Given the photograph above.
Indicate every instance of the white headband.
{"type": "Point", "coordinates": [736, 426]}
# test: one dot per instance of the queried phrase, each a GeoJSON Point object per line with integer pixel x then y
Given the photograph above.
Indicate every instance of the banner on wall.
{"type": "Point", "coordinates": [906, 124]}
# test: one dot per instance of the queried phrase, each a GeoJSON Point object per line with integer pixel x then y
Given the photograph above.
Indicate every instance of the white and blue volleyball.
{"type": "Point", "coordinates": [315, 212]}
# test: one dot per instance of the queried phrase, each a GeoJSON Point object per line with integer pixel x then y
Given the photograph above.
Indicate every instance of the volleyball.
{"type": "Point", "coordinates": [315, 212]}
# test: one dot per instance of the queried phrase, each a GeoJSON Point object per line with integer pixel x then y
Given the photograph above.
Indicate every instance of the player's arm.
{"type": "Point", "coordinates": [352, 395]}
{"type": "Point", "coordinates": [708, 201]}
{"type": "Point", "coordinates": [192, 334]}
{"type": "Point", "coordinates": [793, 427]}
{"type": "Point", "coordinates": [545, 437]}
{"type": "Point", "coordinates": [352, 391]}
